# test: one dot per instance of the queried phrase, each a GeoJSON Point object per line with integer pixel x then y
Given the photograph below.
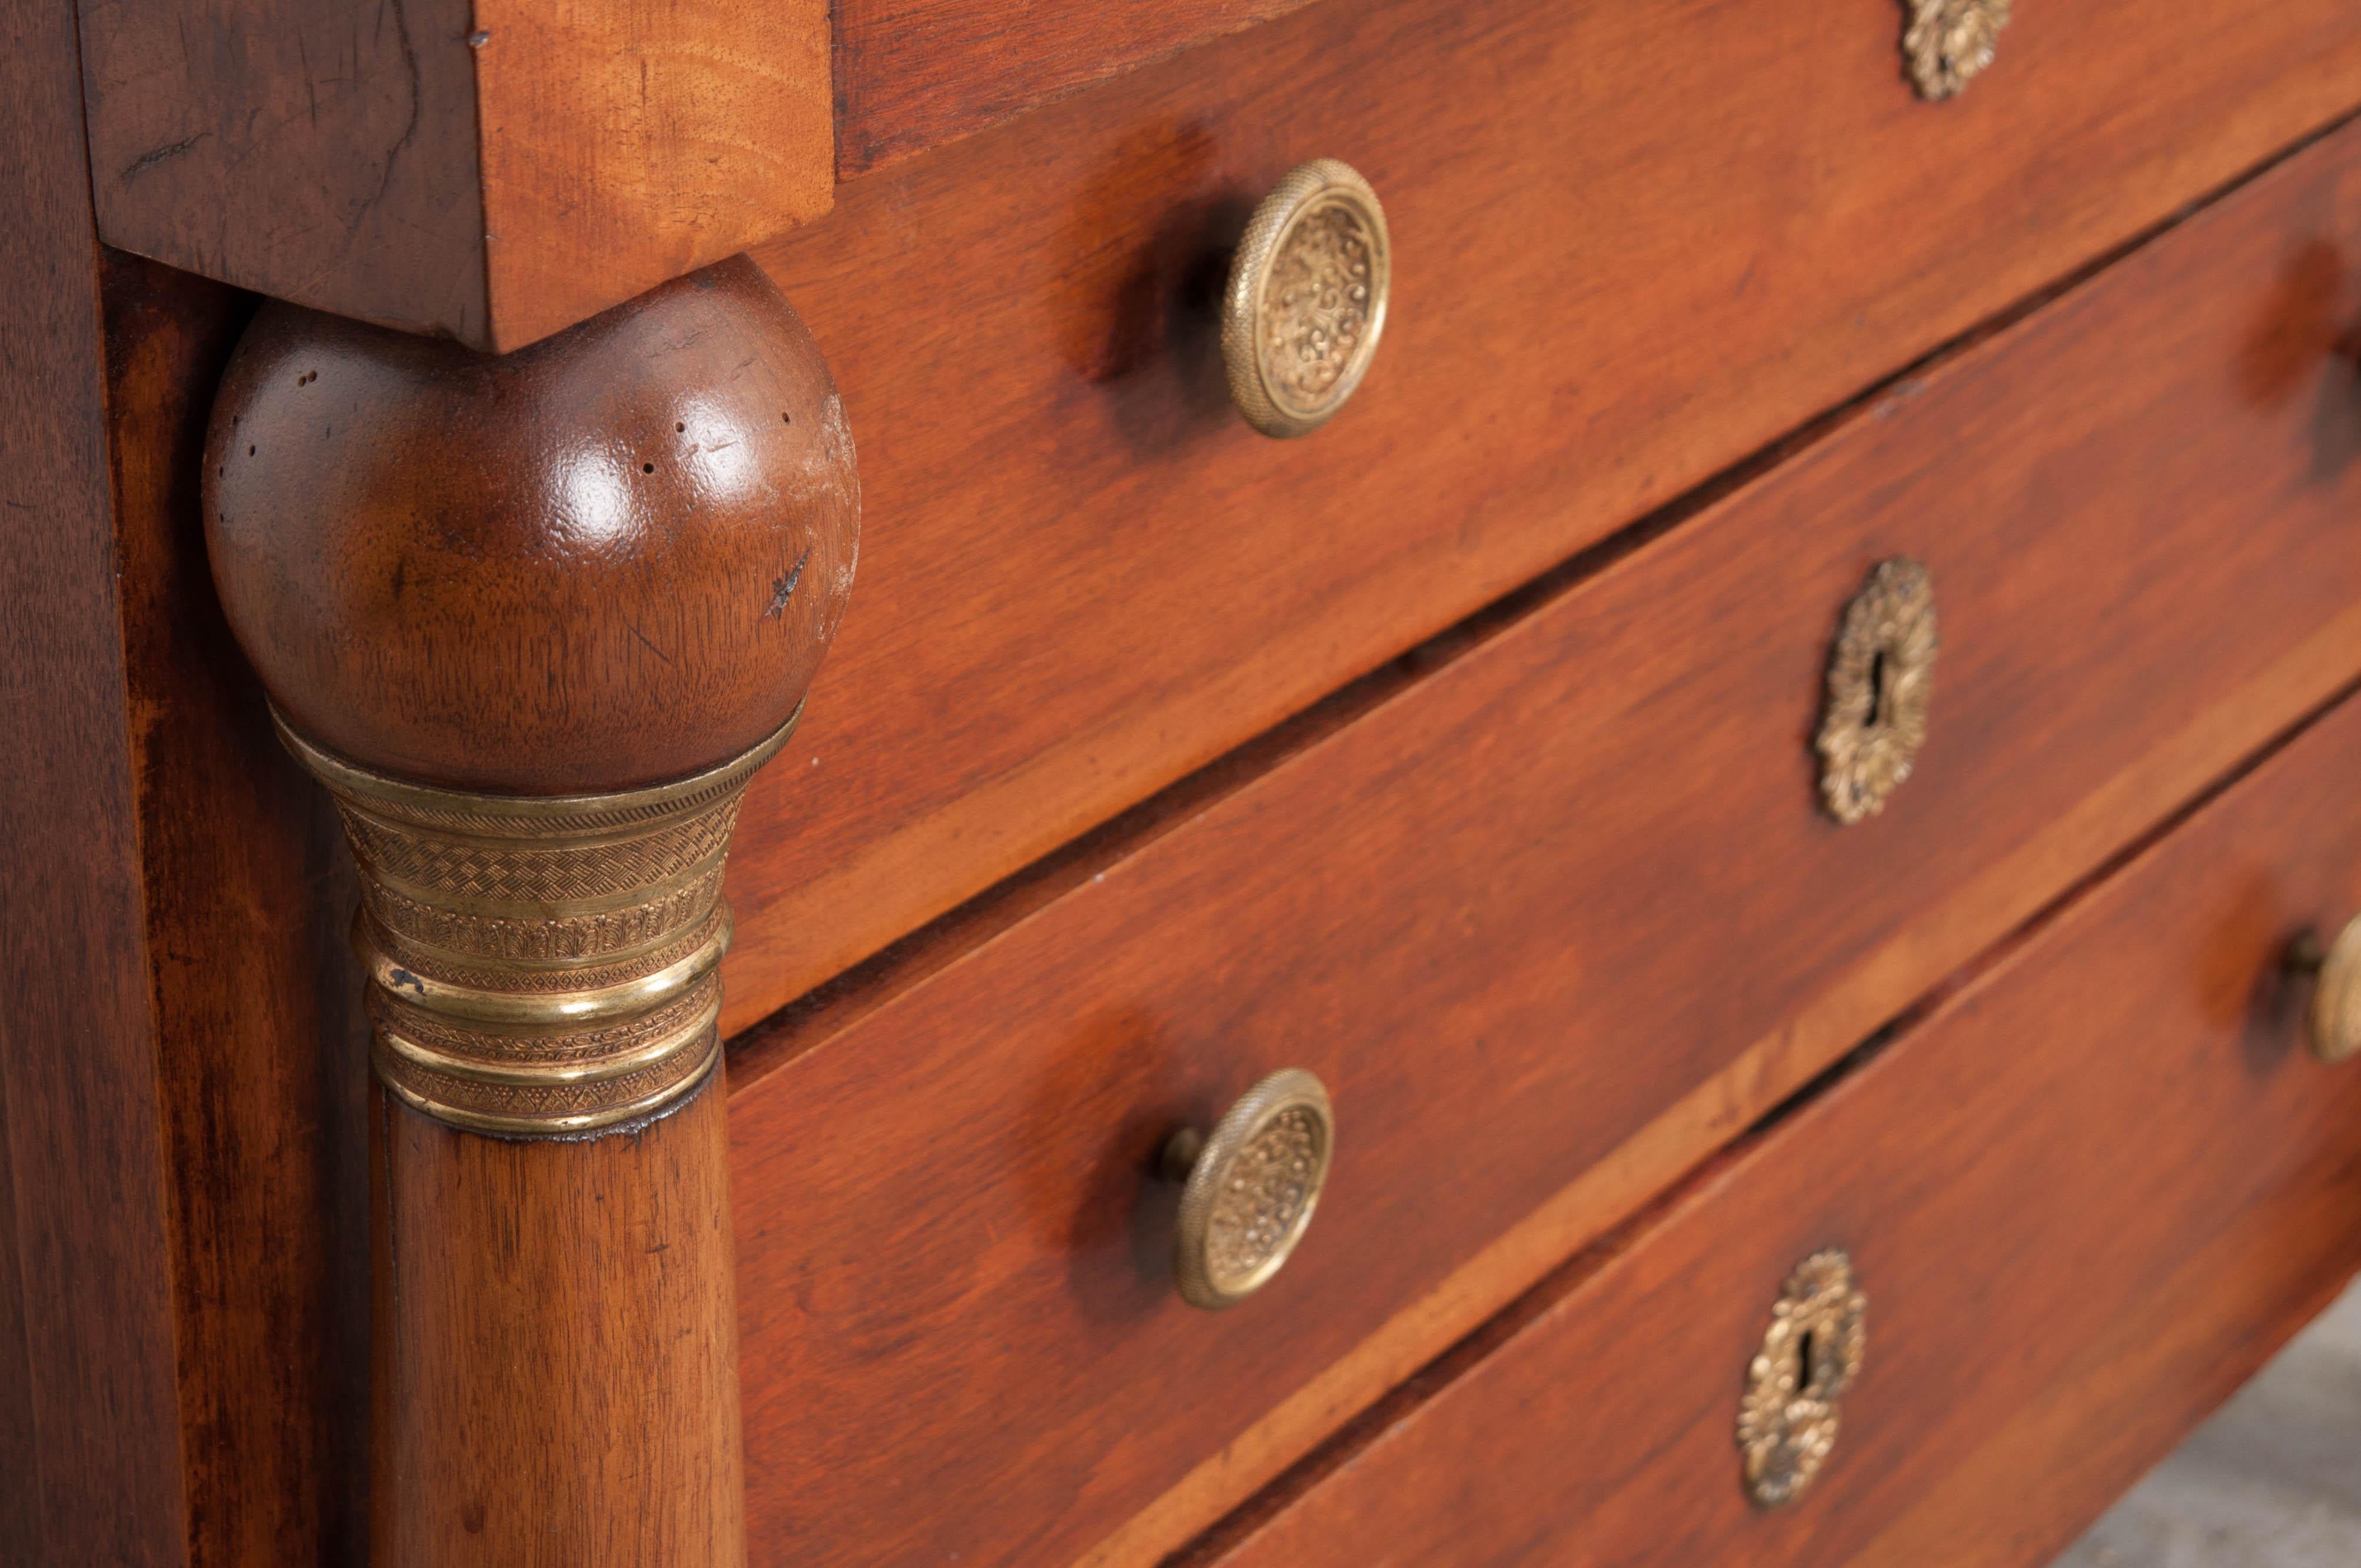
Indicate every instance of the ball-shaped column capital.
{"type": "Point", "coordinates": [610, 560]}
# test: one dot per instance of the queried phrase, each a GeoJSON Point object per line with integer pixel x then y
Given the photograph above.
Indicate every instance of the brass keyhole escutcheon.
{"type": "Point", "coordinates": [1880, 678]}
{"type": "Point", "coordinates": [1810, 1354]}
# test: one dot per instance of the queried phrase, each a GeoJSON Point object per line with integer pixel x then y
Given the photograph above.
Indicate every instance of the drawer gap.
{"type": "Point", "coordinates": [1355, 1435]}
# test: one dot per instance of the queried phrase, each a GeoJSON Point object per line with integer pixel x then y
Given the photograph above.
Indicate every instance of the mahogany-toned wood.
{"type": "Point", "coordinates": [20, 1436]}
{"type": "Point", "coordinates": [2166, 1362]}
{"type": "Point", "coordinates": [493, 171]}
{"type": "Point", "coordinates": [1551, 922]}
{"type": "Point", "coordinates": [407, 534]}
{"type": "Point", "coordinates": [259, 1036]}
{"type": "Point", "coordinates": [1635, 242]}
{"type": "Point", "coordinates": [608, 560]}
{"type": "Point", "coordinates": [912, 73]}
{"type": "Point", "coordinates": [2124, 1096]}
{"type": "Point", "coordinates": [557, 1381]}
{"type": "Point", "coordinates": [89, 1448]}
{"type": "Point", "coordinates": [213, 148]}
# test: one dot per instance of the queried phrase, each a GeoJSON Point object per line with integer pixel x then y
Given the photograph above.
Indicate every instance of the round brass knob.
{"type": "Point", "coordinates": [1950, 43]}
{"type": "Point", "coordinates": [2335, 1018]}
{"type": "Point", "coordinates": [1252, 1183]}
{"type": "Point", "coordinates": [1306, 301]}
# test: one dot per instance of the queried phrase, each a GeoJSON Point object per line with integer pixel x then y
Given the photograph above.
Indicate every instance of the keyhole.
{"type": "Point", "coordinates": [1876, 691]}
{"type": "Point", "coordinates": [1804, 1367]}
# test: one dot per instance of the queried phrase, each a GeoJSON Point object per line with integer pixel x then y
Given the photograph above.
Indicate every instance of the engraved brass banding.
{"type": "Point", "coordinates": [1880, 678]}
{"type": "Point", "coordinates": [1306, 301]}
{"type": "Point", "coordinates": [1252, 1183]}
{"type": "Point", "coordinates": [1950, 42]}
{"type": "Point", "coordinates": [2334, 1020]}
{"type": "Point", "coordinates": [540, 966]}
{"type": "Point", "coordinates": [1787, 1417]}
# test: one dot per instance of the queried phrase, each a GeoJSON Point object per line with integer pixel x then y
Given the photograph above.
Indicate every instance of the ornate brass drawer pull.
{"type": "Point", "coordinates": [2335, 1016]}
{"type": "Point", "coordinates": [1952, 41]}
{"type": "Point", "coordinates": [1252, 1185]}
{"type": "Point", "coordinates": [1811, 1354]}
{"type": "Point", "coordinates": [1881, 676]}
{"type": "Point", "coordinates": [1306, 301]}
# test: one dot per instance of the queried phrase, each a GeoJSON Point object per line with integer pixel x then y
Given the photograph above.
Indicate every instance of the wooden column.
{"type": "Point", "coordinates": [535, 621]}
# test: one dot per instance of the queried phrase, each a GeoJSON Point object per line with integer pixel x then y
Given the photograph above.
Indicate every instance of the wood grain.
{"type": "Point", "coordinates": [557, 1362]}
{"type": "Point", "coordinates": [215, 147]}
{"type": "Point", "coordinates": [1563, 908]}
{"type": "Point", "coordinates": [627, 142]}
{"type": "Point", "coordinates": [245, 896]}
{"type": "Point", "coordinates": [491, 172]}
{"type": "Point", "coordinates": [2124, 1096]}
{"type": "Point", "coordinates": [90, 1445]}
{"type": "Point", "coordinates": [911, 74]}
{"type": "Point", "coordinates": [1635, 243]}
{"type": "Point", "coordinates": [2163, 1367]}
{"type": "Point", "coordinates": [610, 560]}
{"type": "Point", "coordinates": [21, 1433]}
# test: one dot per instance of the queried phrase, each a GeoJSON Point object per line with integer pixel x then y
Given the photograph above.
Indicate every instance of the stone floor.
{"type": "Point", "coordinates": [2272, 1481]}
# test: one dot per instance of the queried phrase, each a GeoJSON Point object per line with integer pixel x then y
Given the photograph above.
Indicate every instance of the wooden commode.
{"type": "Point", "coordinates": [1264, 783]}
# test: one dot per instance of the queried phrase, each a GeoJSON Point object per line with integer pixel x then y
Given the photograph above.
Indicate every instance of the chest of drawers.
{"type": "Point", "coordinates": [1709, 912]}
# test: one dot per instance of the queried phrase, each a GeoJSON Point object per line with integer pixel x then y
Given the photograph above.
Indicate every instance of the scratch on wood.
{"type": "Point", "coordinates": [650, 647]}
{"type": "Point", "coordinates": [417, 112]}
{"type": "Point", "coordinates": [148, 160]}
{"type": "Point", "coordinates": [785, 589]}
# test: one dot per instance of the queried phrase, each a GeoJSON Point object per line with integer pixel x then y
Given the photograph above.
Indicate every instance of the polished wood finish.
{"type": "Point", "coordinates": [260, 1039]}
{"type": "Point", "coordinates": [626, 142]}
{"type": "Point", "coordinates": [2165, 1363]}
{"type": "Point", "coordinates": [626, 578]}
{"type": "Point", "coordinates": [533, 1288]}
{"type": "Point", "coordinates": [491, 171]}
{"type": "Point", "coordinates": [1470, 887]}
{"type": "Point", "coordinates": [2126, 1094]}
{"type": "Point", "coordinates": [1635, 242]}
{"type": "Point", "coordinates": [1551, 922]}
{"type": "Point", "coordinates": [90, 1449]}
{"type": "Point", "coordinates": [913, 73]}
{"type": "Point", "coordinates": [475, 571]}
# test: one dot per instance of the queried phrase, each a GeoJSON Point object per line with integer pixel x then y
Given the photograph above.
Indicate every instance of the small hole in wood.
{"type": "Point", "coordinates": [787, 419]}
{"type": "Point", "coordinates": [249, 452]}
{"type": "Point", "coordinates": [647, 468]}
{"type": "Point", "coordinates": [682, 426]}
{"type": "Point", "coordinates": [1804, 1369]}
{"type": "Point", "coordinates": [1876, 691]}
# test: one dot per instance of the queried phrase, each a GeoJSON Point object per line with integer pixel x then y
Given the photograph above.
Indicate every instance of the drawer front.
{"type": "Point", "coordinates": [1551, 921]}
{"type": "Point", "coordinates": [1633, 244]}
{"type": "Point", "coordinates": [2120, 1115]}
{"type": "Point", "coordinates": [911, 74]}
